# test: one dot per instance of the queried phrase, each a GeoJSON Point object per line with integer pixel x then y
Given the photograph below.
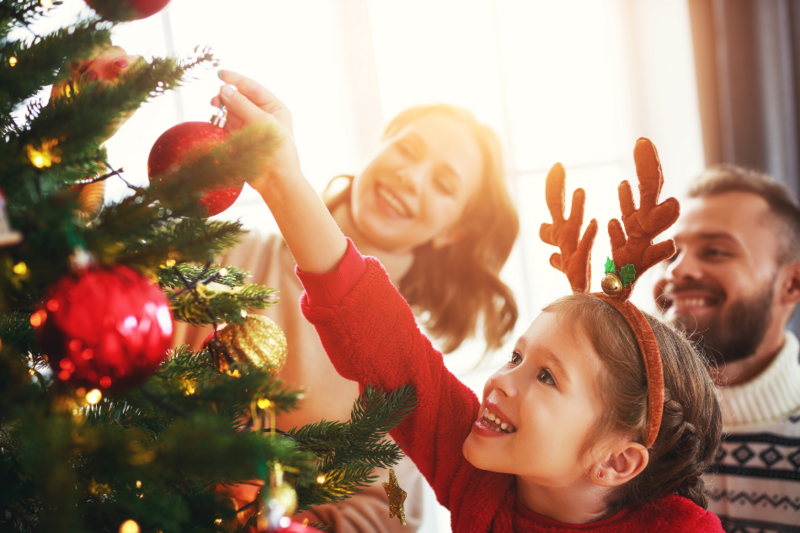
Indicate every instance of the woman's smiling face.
{"type": "Point", "coordinates": [416, 187]}
{"type": "Point", "coordinates": [541, 407]}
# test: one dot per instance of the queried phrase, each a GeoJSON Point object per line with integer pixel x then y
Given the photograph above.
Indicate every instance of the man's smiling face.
{"type": "Point", "coordinates": [720, 284]}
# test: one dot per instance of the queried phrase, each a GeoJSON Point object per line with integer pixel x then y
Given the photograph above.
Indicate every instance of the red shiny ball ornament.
{"type": "Point", "coordinates": [178, 142]}
{"type": "Point", "coordinates": [108, 328]}
{"type": "Point", "coordinates": [134, 10]}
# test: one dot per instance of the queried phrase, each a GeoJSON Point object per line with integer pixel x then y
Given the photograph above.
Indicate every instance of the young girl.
{"type": "Point", "coordinates": [563, 439]}
{"type": "Point", "coordinates": [442, 240]}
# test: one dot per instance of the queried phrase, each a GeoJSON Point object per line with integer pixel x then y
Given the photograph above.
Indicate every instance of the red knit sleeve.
{"type": "Point", "coordinates": [371, 337]}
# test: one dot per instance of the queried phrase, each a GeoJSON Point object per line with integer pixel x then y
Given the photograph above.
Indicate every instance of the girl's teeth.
{"type": "Point", "coordinates": [503, 425]}
{"type": "Point", "coordinates": [491, 417]}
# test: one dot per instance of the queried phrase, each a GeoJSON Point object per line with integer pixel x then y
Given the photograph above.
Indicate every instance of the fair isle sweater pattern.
{"type": "Point", "coordinates": [754, 483]}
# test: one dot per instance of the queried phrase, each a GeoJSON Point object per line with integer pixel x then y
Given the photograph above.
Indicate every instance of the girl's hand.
{"type": "Point", "coordinates": [313, 236]}
{"type": "Point", "coordinates": [253, 103]}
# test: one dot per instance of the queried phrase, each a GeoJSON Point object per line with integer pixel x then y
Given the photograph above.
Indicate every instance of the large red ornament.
{"type": "Point", "coordinates": [138, 9]}
{"type": "Point", "coordinates": [105, 327]}
{"type": "Point", "coordinates": [175, 147]}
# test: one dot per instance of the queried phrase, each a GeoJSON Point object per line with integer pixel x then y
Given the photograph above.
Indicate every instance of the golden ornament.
{"type": "Point", "coordinates": [611, 284]}
{"type": "Point", "coordinates": [91, 197]}
{"type": "Point", "coordinates": [397, 497]}
{"type": "Point", "coordinates": [258, 340]}
{"type": "Point", "coordinates": [275, 501]}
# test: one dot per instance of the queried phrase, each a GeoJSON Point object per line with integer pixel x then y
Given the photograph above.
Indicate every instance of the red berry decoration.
{"type": "Point", "coordinates": [176, 146]}
{"type": "Point", "coordinates": [121, 10]}
{"type": "Point", "coordinates": [104, 327]}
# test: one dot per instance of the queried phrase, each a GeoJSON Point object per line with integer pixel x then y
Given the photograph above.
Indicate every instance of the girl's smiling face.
{"type": "Point", "coordinates": [541, 407]}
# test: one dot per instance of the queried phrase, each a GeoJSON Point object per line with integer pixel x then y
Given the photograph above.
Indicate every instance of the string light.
{"type": "Point", "coordinates": [138, 484]}
{"type": "Point", "coordinates": [44, 156]}
{"type": "Point", "coordinates": [243, 313]}
{"type": "Point", "coordinates": [12, 61]}
{"type": "Point", "coordinates": [20, 269]}
{"type": "Point", "coordinates": [320, 479]}
{"type": "Point", "coordinates": [223, 272]}
{"type": "Point", "coordinates": [94, 396]}
{"type": "Point", "coordinates": [264, 403]}
{"type": "Point", "coordinates": [38, 318]}
{"type": "Point", "coordinates": [218, 521]}
{"type": "Point", "coordinates": [47, 4]}
{"type": "Point", "coordinates": [170, 263]}
{"type": "Point", "coordinates": [129, 526]}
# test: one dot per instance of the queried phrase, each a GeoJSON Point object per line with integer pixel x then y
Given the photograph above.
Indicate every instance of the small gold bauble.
{"type": "Point", "coordinates": [284, 495]}
{"type": "Point", "coordinates": [258, 340]}
{"type": "Point", "coordinates": [91, 197]}
{"type": "Point", "coordinates": [611, 284]}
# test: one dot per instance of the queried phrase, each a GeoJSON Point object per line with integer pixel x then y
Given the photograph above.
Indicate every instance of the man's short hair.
{"type": "Point", "coordinates": [783, 208]}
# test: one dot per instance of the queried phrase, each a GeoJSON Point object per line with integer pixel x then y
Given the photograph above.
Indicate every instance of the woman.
{"type": "Point", "coordinates": [431, 204]}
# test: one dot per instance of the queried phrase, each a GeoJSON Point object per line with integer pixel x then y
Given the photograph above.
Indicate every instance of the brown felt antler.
{"type": "Point", "coordinates": [632, 255]}
{"type": "Point", "coordinates": [643, 224]}
{"type": "Point", "coordinates": [575, 257]}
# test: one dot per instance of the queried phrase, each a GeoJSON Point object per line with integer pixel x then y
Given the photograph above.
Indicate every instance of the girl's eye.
{"type": "Point", "coordinates": [516, 358]}
{"type": "Point", "coordinates": [405, 149]}
{"type": "Point", "coordinates": [714, 253]}
{"type": "Point", "coordinates": [546, 377]}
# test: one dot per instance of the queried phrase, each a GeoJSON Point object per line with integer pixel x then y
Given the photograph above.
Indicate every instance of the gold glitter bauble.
{"type": "Point", "coordinates": [91, 197]}
{"type": "Point", "coordinates": [611, 284]}
{"type": "Point", "coordinates": [258, 340]}
{"type": "Point", "coordinates": [284, 495]}
{"type": "Point", "coordinates": [397, 497]}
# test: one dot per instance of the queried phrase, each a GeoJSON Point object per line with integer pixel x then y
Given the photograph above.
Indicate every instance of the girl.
{"type": "Point", "coordinates": [566, 437]}
{"type": "Point", "coordinates": [443, 242]}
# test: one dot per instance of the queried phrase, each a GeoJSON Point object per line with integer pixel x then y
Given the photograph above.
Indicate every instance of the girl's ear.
{"type": "Point", "coordinates": [448, 237]}
{"type": "Point", "coordinates": [791, 288]}
{"type": "Point", "coordinates": [622, 464]}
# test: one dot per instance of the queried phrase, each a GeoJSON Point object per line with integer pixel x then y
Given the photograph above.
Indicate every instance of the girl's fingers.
{"type": "Point", "coordinates": [254, 91]}
{"type": "Point", "coordinates": [239, 105]}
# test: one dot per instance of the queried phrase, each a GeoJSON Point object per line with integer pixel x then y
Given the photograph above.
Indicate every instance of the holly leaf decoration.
{"type": "Point", "coordinates": [627, 274]}
{"type": "Point", "coordinates": [610, 268]}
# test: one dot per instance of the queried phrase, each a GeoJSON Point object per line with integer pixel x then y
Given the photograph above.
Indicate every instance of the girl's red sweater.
{"type": "Point", "coordinates": [370, 334]}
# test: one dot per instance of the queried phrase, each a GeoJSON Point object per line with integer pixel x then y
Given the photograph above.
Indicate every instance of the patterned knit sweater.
{"type": "Point", "coordinates": [369, 332]}
{"type": "Point", "coordinates": [754, 484]}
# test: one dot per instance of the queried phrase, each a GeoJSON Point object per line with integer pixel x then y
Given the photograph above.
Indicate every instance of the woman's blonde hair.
{"type": "Point", "coordinates": [691, 424]}
{"type": "Point", "coordinates": [454, 287]}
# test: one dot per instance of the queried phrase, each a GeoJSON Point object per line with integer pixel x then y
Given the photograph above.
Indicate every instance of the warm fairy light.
{"type": "Point", "coordinates": [44, 156]}
{"type": "Point", "coordinates": [12, 61]}
{"type": "Point", "coordinates": [264, 403]}
{"type": "Point", "coordinates": [234, 373]}
{"type": "Point", "coordinates": [129, 526]}
{"type": "Point", "coordinates": [320, 479]}
{"type": "Point", "coordinates": [80, 392]}
{"type": "Point", "coordinates": [94, 396]}
{"type": "Point", "coordinates": [47, 4]}
{"type": "Point", "coordinates": [218, 521]}
{"type": "Point", "coordinates": [38, 318]}
{"type": "Point", "coordinates": [223, 272]}
{"type": "Point", "coordinates": [170, 263]}
{"type": "Point", "coordinates": [188, 388]}
{"type": "Point", "coordinates": [285, 521]}
{"type": "Point", "coordinates": [305, 522]}
{"type": "Point", "coordinates": [138, 484]}
{"type": "Point", "coordinates": [32, 372]}
{"type": "Point", "coordinates": [20, 269]}
{"type": "Point", "coordinates": [243, 313]}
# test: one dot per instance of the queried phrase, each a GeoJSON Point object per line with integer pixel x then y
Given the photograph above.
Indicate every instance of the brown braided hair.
{"type": "Point", "coordinates": [691, 425]}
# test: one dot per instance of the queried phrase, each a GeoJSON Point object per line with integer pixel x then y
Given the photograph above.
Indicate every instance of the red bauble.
{"type": "Point", "coordinates": [139, 9]}
{"type": "Point", "coordinates": [292, 527]}
{"type": "Point", "coordinates": [105, 327]}
{"type": "Point", "coordinates": [180, 141]}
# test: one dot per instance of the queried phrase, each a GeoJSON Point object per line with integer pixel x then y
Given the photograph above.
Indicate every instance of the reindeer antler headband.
{"type": "Point", "coordinates": [632, 250]}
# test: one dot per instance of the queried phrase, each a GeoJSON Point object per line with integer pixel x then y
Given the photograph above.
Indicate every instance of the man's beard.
{"type": "Point", "coordinates": [731, 334]}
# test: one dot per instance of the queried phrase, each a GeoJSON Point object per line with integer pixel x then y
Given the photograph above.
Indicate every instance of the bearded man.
{"type": "Point", "coordinates": [732, 287]}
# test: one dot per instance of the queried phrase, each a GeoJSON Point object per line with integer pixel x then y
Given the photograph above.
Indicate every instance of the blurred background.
{"type": "Point", "coordinates": [575, 81]}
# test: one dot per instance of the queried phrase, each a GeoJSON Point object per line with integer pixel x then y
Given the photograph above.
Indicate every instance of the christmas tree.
{"type": "Point", "coordinates": [102, 426]}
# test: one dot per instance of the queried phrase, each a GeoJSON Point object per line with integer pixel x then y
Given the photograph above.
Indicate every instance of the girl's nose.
{"type": "Point", "coordinates": [412, 177]}
{"type": "Point", "coordinates": [502, 383]}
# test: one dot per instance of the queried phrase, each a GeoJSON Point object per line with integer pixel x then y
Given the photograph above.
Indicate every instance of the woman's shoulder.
{"type": "Point", "coordinates": [676, 513]}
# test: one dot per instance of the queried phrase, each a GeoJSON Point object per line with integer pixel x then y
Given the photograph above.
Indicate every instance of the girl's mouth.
{"type": "Point", "coordinates": [493, 422]}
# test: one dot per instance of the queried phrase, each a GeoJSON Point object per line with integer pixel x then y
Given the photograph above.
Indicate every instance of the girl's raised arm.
{"type": "Point", "coordinates": [314, 238]}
